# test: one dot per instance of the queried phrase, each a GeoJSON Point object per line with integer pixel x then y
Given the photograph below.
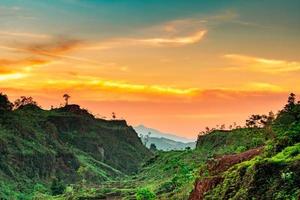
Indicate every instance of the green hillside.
{"type": "Point", "coordinates": [171, 175]}
{"type": "Point", "coordinates": [62, 146]}
{"type": "Point", "coordinates": [97, 159]}
{"type": "Point", "coordinates": [258, 162]}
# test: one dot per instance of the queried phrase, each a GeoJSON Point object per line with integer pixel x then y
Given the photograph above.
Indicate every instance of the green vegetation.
{"type": "Point", "coordinates": [276, 173]}
{"type": "Point", "coordinates": [45, 151]}
{"type": "Point", "coordinates": [66, 153]}
{"type": "Point", "coordinates": [171, 175]}
{"type": "Point", "coordinates": [145, 194]}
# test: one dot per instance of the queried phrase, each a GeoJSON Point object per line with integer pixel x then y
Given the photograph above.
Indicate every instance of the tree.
{"type": "Point", "coordinates": [256, 121]}
{"type": "Point", "coordinates": [114, 115]}
{"type": "Point", "coordinates": [146, 138]}
{"type": "Point", "coordinates": [290, 103]}
{"type": "Point", "coordinates": [271, 117]}
{"type": "Point", "coordinates": [66, 97]}
{"type": "Point", "coordinates": [153, 147]}
{"type": "Point", "coordinates": [290, 113]}
{"type": "Point", "coordinates": [188, 148]}
{"type": "Point", "coordinates": [207, 129]}
{"type": "Point", "coordinates": [222, 127]}
{"type": "Point", "coordinates": [5, 104]}
{"type": "Point", "coordinates": [234, 124]}
{"type": "Point", "coordinates": [23, 101]}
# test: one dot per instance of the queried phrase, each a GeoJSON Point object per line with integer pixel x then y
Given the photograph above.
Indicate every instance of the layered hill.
{"type": "Point", "coordinates": [95, 158]}
{"type": "Point", "coordinates": [257, 162]}
{"type": "Point", "coordinates": [163, 141]}
{"type": "Point", "coordinates": [66, 144]}
{"type": "Point", "coordinates": [165, 144]}
{"type": "Point", "coordinates": [143, 130]}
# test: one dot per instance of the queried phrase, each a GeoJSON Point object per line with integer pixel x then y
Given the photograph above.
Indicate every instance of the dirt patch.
{"type": "Point", "coordinates": [202, 186]}
{"type": "Point", "coordinates": [215, 168]}
{"type": "Point", "coordinates": [223, 163]}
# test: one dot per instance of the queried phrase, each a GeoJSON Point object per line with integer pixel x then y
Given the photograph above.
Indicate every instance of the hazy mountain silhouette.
{"type": "Point", "coordinates": [143, 130]}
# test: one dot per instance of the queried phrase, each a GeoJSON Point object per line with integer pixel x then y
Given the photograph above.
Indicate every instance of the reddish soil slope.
{"type": "Point", "coordinates": [215, 169]}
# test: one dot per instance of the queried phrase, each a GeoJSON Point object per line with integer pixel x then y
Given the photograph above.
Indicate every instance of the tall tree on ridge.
{"type": "Point", "coordinates": [66, 97]}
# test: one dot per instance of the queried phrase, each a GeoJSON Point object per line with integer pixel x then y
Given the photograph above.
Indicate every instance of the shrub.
{"type": "Point", "coordinates": [39, 188]}
{"type": "Point", "coordinates": [287, 176]}
{"type": "Point", "coordinates": [166, 187]}
{"type": "Point", "coordinates": [257, 141]}
{"type": "Point", "coordinates": [241, 149]}
{"type": "Point", "coordinates": [57, 187]}
{"type": "Point", "coordinates": [145, 194]}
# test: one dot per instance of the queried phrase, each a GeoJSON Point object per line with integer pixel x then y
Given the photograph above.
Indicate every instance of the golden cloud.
{"type": "Point", "coordinates": [154, 42]}
{"type": "Point", "coordinates": [11, 76]}
{"type": "Point", "coordinates": [4, 70]}
{"type": "Point", "coordinates": [92, 83]}
{"type": "Point", "coordinates": [260, 86]}
{"type": "Point", "coordinates": [262, 64]}
{"type": "Point", "coordinates": [22, 62]}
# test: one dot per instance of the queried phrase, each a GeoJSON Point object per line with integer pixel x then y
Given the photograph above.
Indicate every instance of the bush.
{"type": "Point", "coordinates": [145, 194]}
{"type": "Point", "coordinates": [57, 187]}
{"type": "Point", "coordinates": [241, 149]}
{"type": "Point", "coordinates": [39, 188]}
{"type": "Point", "coordinates": [166, 187]}
{"type": "Point", "coordinates": [287, 176]}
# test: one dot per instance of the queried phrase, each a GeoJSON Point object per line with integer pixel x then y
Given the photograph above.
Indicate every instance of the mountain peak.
{"type": "Point", "coordinates": [144, 130]}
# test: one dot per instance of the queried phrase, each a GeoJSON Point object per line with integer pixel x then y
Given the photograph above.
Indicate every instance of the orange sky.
{"type": "Point", "coordinates": [175, 70]}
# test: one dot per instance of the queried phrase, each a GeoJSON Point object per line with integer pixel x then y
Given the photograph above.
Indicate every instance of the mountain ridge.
{"type": "Point", "coordinates": [144, 130]}
{"type": "Point", "coordinates": [65, 145]}
{"type": "Point", "coordinates": [166, 144]}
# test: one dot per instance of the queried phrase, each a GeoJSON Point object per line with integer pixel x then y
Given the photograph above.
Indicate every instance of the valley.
{"type": "Point", "coordinates": [67, 153]}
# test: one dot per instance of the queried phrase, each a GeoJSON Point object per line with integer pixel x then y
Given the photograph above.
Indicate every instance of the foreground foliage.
{"type": "Point", "coordinates": [45, 151]}
{"type": "Point", "coordinates": [273, 172]}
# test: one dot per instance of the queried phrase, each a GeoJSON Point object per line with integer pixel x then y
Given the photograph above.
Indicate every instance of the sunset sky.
{"type": "Point", "coordinates": [174, 65]}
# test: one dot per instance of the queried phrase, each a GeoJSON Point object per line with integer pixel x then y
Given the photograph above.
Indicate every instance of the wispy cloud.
{"type": "Point", "coordinates": [19, 68]}
{"type": "Point", "coordinates": [149, 41]}
{"type": "Point", "coordinates": [5, 77]}
{"type": "Point", "coordinates": [22, 62]}
{"type": "Point", "coordinates": [262, 64]}
{"type": "Point", "coordinates": [176, 41]}
{"type": "Point", "coordinates": [14, 12]}
{"type": "Point", "coordinates": [4, 70]}
{"type": "Point", "coordinates": [31, 55]}
{"type": "Point", "coordinates": [24, 34]}
{"type": "Point", "coordinates": [262, 86]}
{"type": "Point", "coordinates": [51, 49]}
{"type": "Point", "coordinates": [54, 47]}
{"type": "Point", "coordinates": [95, 83]}
{"type": "Point", "coordinates": [227, 16]}
{"type": "Point", "coordinates": [174, 33]}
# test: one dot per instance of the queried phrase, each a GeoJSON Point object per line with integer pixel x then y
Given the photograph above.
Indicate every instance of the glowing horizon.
{"type": "Point", "coordinates": [175, 66]}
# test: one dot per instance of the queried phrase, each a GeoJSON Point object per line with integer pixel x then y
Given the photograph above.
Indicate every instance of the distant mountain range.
{"type": "Point", "coordinates": [164, 141]}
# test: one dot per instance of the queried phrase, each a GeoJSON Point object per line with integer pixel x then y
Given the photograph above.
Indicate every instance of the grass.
{"type": "Point", "coordinates": [171, 175]}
